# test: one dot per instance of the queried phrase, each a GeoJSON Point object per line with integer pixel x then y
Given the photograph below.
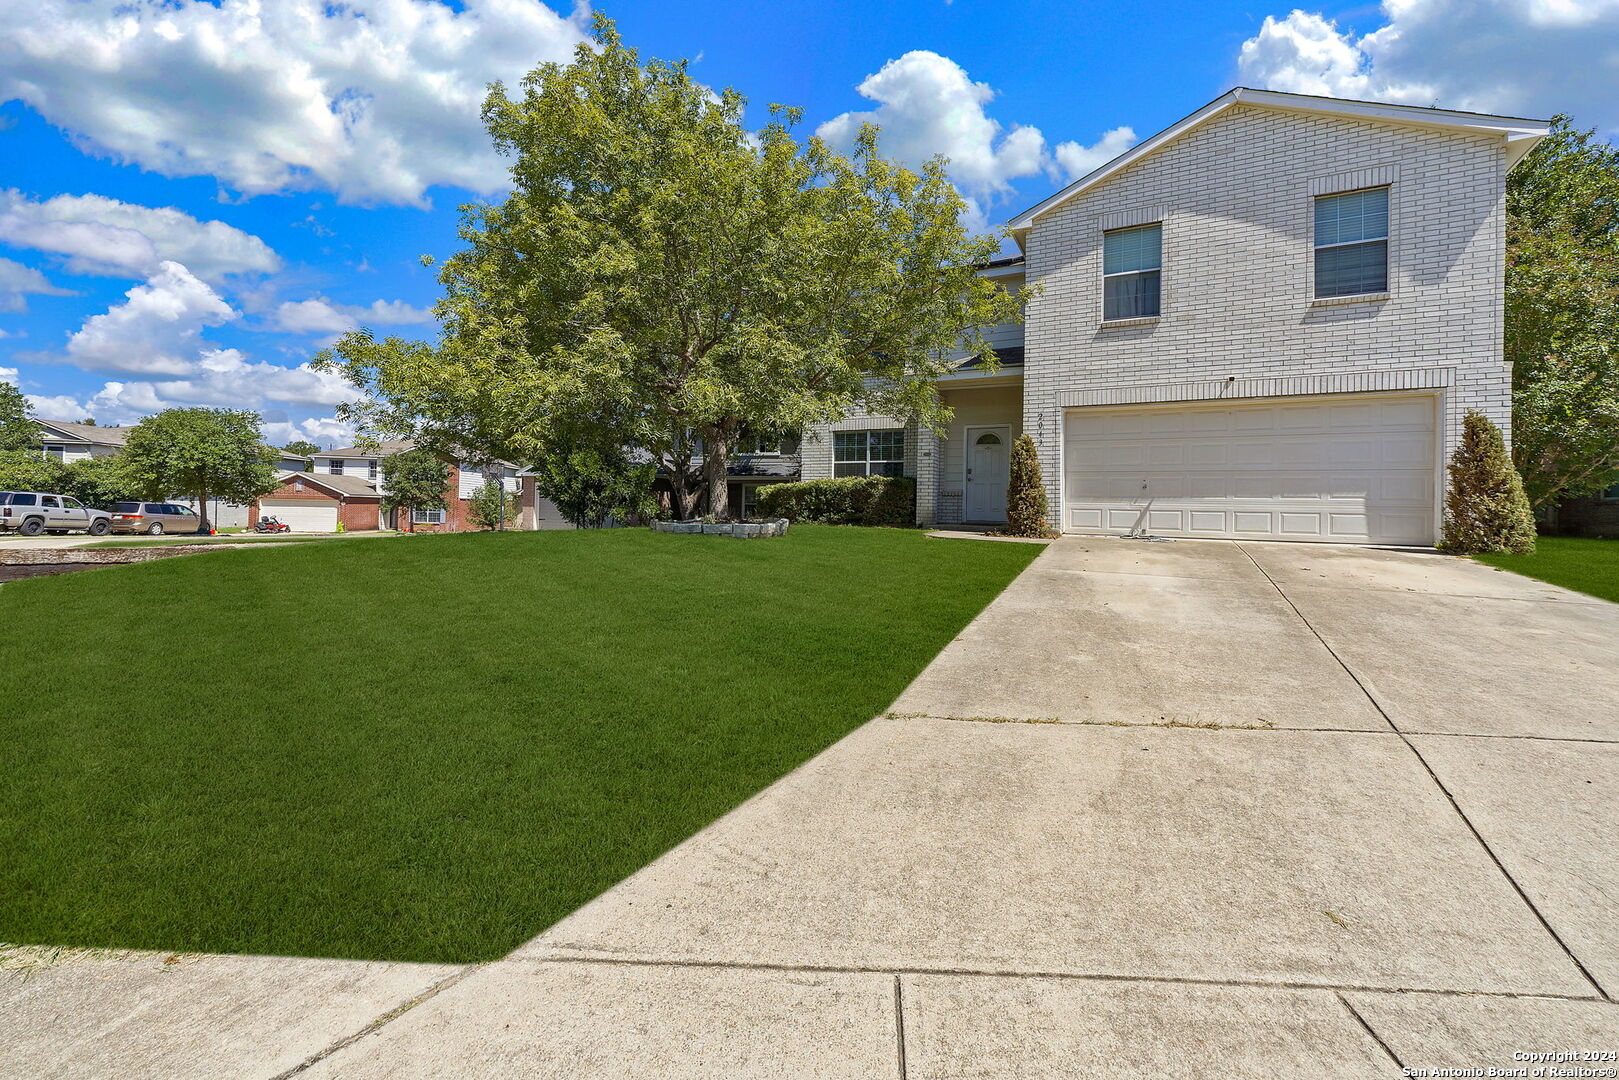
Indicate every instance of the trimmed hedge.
{"type": "Point", "coordinates": [843, 500]}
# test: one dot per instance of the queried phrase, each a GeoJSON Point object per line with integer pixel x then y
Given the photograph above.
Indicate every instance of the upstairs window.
{"type": "Point", "coordinates": [336, 467]}
{"type": "Point", "coordinates": [1131, 262]}
{"type": "Point", "coordinates": [1352, 243]}
{"type": "Point", "coordinates": [371, 469]}
{"type": "Point", "coordinates": [868, 453]}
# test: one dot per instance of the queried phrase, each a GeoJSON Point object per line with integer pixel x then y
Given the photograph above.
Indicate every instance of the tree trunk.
{"type": "Point", "coordinates": [202, 513]}
{"type": "Point", "coordinates": [683, 497]}
{"type": "Point", "coordinates": [716, 449]}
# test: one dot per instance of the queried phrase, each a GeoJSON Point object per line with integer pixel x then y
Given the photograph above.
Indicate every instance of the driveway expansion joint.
{"type": "Point", "coordinates": [1440, 784]}
{"type": "Point", "coordinates": [1371, 1031]}
{"type": "Point", "coordinates": [1101, 977]}
{"type": "Point", "coordinates": [380, 1022]}
{"type": "Point", "coordinates": [899, 1025]}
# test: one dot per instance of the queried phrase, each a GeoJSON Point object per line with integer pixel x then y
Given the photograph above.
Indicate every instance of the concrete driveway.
{"type": "Point", "coordinates": [1195, 809]}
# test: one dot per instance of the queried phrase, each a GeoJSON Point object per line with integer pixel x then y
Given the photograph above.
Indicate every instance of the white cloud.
{"type": "Point", "coordinates": [326, 431]}
{"type": "Point", "coordinates": [1518, 57]}
{"type": "Point", "coordinates": [58, 407]}
{"type": "Point", "coordinates": [157, 330]}
{"type": "Point", "coordinates": [156, 335]}
{"type": "Point", "coordinates": [319, 315]}
{"type": "Point", "coordinates": [375, 100]}
{"type": "Point", "coordinates": [8, 374]}
{"type": "Point", "coordinates": [927, 105]}
{"type": "Point", "coordinates": [98, 235]}
{"type": "Point", "coordinates": [18, 282]}
{"type": "Point", "coordinates": [1077, 160]}
{"type": "Point", "coordinates": [220, 378]}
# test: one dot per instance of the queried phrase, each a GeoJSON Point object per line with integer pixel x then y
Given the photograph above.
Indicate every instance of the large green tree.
{"type": "Point", "coordinates": [302, 447]}
{"type": "Point", "coordinates": [665, 275]}
{"type": "Point", "coordinates": [200, 453]}
{"type": "Point", "coordinates": [1562, 314]}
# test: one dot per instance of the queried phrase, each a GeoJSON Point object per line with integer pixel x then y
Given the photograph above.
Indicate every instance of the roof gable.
{"type": "Point", "coordinates": [1519, 134]}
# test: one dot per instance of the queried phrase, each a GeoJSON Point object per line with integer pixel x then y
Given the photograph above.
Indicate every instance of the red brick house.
{"type": "Point", "coordinates": [345, 485]}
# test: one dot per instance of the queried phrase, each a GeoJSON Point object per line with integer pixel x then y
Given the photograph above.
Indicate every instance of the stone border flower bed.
{"type": "Point", "coordinates": [744, 530]}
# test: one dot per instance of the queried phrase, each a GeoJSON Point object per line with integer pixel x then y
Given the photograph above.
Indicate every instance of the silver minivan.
{"type": "Point", "coordinates": [153, 518]}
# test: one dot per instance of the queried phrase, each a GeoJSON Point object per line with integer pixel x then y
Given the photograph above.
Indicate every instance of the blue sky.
{"type": "Point", "coordinates": [194, 197]}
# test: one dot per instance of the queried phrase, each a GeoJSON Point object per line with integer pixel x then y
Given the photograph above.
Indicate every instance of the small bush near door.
{"type": "Point", "coordinates": [1486, 509]}
{"type": "Point", "coordinates": [1026, 507]}
{"type": "Point", "coordinates": [843, 500]}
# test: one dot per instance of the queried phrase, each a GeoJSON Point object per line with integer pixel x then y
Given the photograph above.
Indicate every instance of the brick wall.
{"type": "Point", "coordinates": [1236, 200]}
{"type": "Point", "coordinates": [1588, 517]}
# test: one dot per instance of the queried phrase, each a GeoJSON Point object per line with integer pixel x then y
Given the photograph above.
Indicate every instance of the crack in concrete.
{"type": "Point", "coordinates": [1440, 784]}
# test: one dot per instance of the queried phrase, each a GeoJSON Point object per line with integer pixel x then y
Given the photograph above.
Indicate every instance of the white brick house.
{"type": "Point", "coordinates": [1265, 321]}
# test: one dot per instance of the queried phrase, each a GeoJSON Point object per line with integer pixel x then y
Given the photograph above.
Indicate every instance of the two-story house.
{"type": "Point", "coordinates": [346, 486]}
{"type": "Point", "coordinates": [1265, 321]}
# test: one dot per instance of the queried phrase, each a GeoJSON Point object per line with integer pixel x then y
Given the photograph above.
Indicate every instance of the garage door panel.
{"type": "Point", "coordinates": [1358, 470]}
{"type": "Point", "coordinates": [302, 516]}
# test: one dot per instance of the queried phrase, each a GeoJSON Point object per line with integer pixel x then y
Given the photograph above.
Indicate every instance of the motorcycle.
{"type": "Point", "coordinates": [270, 525]}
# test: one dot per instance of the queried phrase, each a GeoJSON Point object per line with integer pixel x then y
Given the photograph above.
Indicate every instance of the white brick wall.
{"type": "Point", "coordinates": [1235, 197]}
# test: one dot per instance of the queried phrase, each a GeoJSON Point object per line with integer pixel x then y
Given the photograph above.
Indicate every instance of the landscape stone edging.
{"type": "Point", "coordinates": [743, 530]}
{"type": "Point", "coordinates": [101, 556]}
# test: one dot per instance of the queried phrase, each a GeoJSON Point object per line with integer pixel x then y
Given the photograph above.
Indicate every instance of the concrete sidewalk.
{"type": "Point", "coordinates": [1168, 810]}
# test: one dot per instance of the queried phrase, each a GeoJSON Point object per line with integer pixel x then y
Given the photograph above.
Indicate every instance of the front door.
{"type": "Point", "coordinates": [988, 470]}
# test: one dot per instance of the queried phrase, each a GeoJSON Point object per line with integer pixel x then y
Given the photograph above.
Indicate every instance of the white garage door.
{"type": "Point", "coordinates": [302, 516]}
{"type": "Point", "coordinates": [1350, 469]}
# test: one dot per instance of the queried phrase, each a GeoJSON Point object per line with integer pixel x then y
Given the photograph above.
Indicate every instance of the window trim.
{"type": "Point", "coordinates": [56, 452]}
{"type": "Point", "coordinates": [334, 467]}
{"type": "Point", "coordinates": [420, 516]}
{"type": "Point", "coordinates": [1609, 494]}
{"type": "Point", "coordinates": [1387, 240]}
{"type": "Point", "coordinates": [868, 461]}
{"type": "Point", "coordinates": [1125, 320]}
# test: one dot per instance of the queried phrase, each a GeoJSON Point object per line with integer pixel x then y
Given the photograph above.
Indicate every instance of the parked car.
{"type": "Point", "coordinates": [33, 512]}
{"type": "Point", "coordinates": [153, 518]}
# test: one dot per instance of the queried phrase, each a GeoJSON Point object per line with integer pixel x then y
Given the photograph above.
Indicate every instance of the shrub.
{"type": "Point", "coordinates": [1485, 509]}
{"type": "Point", "coordinates": [493, 507]}
{"type": "Point", "coordinates": [843, 500]}
{"type": "Point", "coordinates": [1025, 495]}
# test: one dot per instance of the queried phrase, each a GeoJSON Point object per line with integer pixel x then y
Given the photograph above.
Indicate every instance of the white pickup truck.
{"type": "Point", "coordinates": [33, 512]}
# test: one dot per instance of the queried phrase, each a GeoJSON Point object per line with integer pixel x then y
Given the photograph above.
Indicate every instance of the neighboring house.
{"type": "Point", "coordinates": [1594, 516]}
{"type": "Point", "coordinates": [346, 485]}
{"type": "Point", "coordinates": [1265, 322]}
{"type": "Point", "coordinates": [76, 442]}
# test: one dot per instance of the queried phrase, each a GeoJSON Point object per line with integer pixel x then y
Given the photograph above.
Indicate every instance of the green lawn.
{"type": "Point", "coordinates": [429, 749]}
{"type": "Point", "coordinates": [1584, 564]}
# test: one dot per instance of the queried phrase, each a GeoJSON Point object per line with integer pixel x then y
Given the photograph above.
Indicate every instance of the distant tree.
{"type": "Point", "coordinates": [1025, 493]}
{"type": "Point", "coordinates": [413, 480]}
{"type": "Point", "coordinates": [673, 276]}
{"type": "Point", "coordinates": [302, 447]}
{"type": "Point", "coordinates": [18, 432]}
{"type": "Point", "coordinates": [28, 470]}
{"type": "Point", "coordinates": [99, 482]}
{"type": "Point", "coordinates": [200, 453]}
{"type": "Point", "coordinates": [492, 506]}
{"type": "Point", "coordinates": [1562, 314]}
{"type": "Point", "coordinates": [594, 483]}
{"type": "Point", "coordinates": [1485, 509]}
